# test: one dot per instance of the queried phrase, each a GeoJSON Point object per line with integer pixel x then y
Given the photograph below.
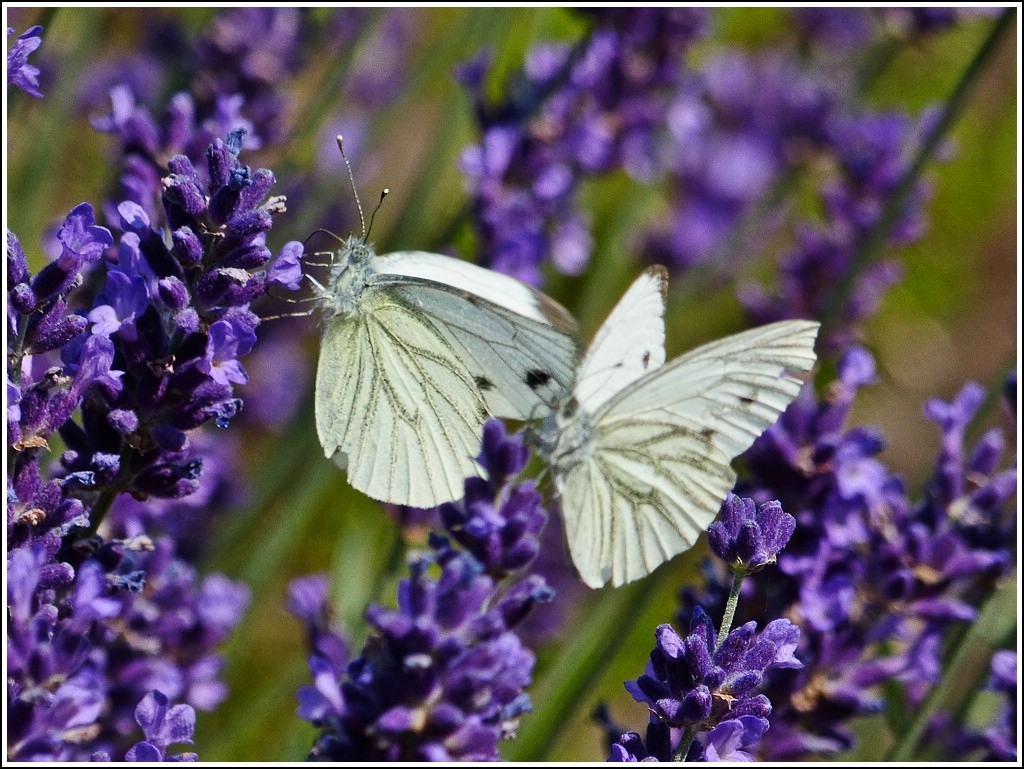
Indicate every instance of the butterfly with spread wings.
{"type": "Point", "coordinates": [641, 450]}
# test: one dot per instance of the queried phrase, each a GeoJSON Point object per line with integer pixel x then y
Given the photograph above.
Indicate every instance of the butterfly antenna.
{"type": "Point", "coordinates": [383, 194]}
{"type": "Point", "coordinates": [352, 181]}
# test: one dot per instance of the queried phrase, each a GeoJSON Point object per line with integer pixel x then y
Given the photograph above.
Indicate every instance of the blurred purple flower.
{"type": "Point", "coordinates": [1001, 738]}
{"type": "Point", "coordinates": [571, 113]}
{"type": "Point", "coordinates": [735, 127]}
{"type": "Point", "coordinates": [19, 71]}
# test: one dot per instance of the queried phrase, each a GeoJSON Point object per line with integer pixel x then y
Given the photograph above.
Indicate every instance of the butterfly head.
{"type": "Point", "coordinates": [355, 252]}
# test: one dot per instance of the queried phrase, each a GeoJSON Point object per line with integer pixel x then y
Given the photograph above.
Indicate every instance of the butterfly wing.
{"type": "Point", "coordinates": [629, 344]}
{"type": "Point", "coordinates": [658, 460]}
{"type": "Point", "coordinates": [516, 343]}
{"type": "Point", "coordinates": [396, 405]}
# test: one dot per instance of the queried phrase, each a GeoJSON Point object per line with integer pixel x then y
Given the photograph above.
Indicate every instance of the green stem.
{"type": "Point", "coordinates": [567, 681]}
{"type": "Point", "coordinates": [684, 744]}
{"type": "Point", "coordinates": [993, 394]}
{"type": "Point", "coordinates": [994, 628]}
{"type": "Point", "coordinates": [730, 606]}
{"type": "Point", "coordinates": [874, 240]}
{"type": "Point", "coordinates": [100, 509]}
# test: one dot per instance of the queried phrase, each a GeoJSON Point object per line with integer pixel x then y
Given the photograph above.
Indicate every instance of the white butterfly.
{"type": "Point", "coordinates": [418, 350]}
{"type": "Point", "coordinates": [641, 451]}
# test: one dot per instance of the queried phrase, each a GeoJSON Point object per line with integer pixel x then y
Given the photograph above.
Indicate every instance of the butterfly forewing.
{"type": "Point", "coordinates": [520, 363]}
{"type": "Point", "coordinates": [413, 414]}
{"type": "Point", "coordinates": [629, 344]}
{"type": "Point", "coordinates": [731, 389]}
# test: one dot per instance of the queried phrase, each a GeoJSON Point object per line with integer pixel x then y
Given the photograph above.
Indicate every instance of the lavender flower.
{"type": "Point", "coordinates": [749, 539]}
{"type": "Point", "coordinates": [162, 726]}
{"type": "Point", "coordinates": [1001, 738]}
{"type": "Point", "coordinates": [501, 532]}
{"type": "Point", "coordinates": [442, 676]}
{"type": "Point", "coordinates": [241, 59]}
{"type": "Point", "coordinates": [89, 639]}
{"type": "Point", "coordinates": [185, 306]}
{"type": "Point", "coordinates": [691, 684]}
{"type": "Point", "coordinates": [870, 569]}
{"type": "Point", "coordinates": [573, 113]}
{"type": "Point", "coordinates": [115, 617]}
{"type": "Point", "coordinates": [700, 689]}
{"type": "Point", "coordinates": [19, 71]}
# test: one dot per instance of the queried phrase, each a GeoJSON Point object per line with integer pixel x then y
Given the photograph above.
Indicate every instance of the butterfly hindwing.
{"type": "Point", "coordinates": [645, 490]}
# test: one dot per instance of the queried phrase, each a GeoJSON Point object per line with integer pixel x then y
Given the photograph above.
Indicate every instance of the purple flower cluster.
{"type": "Point", "coordinates": [240, 63]}
{"type": "Point", "coordinates": [873, 153]}
{"type": "Point", "coordinates": [695, 685]}
{"type": "Point", "coordinates": [442, 677]}
{"type": "Point", "coordinates": [156, 355]}
{"type": "Point", "coordinates": [123, 351]}
{"type": "Point", "coordinates": [874, 578]}
{"type": "Point", "coordinates": [92, 635]}
{"type": "Point", "coordinates": [701, 689]}
{"type": "Point", "coordinates": [573, 113]}
{"type": "Point", "coordinates": [736, 127]}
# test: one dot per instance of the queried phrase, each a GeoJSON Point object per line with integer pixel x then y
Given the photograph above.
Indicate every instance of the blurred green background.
{"type": "Point", "coordinates": [953, 318]}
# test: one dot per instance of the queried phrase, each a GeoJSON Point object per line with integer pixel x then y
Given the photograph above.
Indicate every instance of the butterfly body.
{"type": "Point", "coordinates": [349, 278]}
{"type": "Point", "coordinates": [418, 349]}
{"type": "Point", "coordinates": [641, 451]}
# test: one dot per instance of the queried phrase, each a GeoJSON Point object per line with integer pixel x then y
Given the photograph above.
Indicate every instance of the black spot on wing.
{"type": "Point", "coordinates": [483, 383]}
{"type": "Point", "coordinates": [570, 408]}
{"type": "Point", "coordinates": [536, 378]}
{"type": "Point", "coordinates": [646, 361]}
